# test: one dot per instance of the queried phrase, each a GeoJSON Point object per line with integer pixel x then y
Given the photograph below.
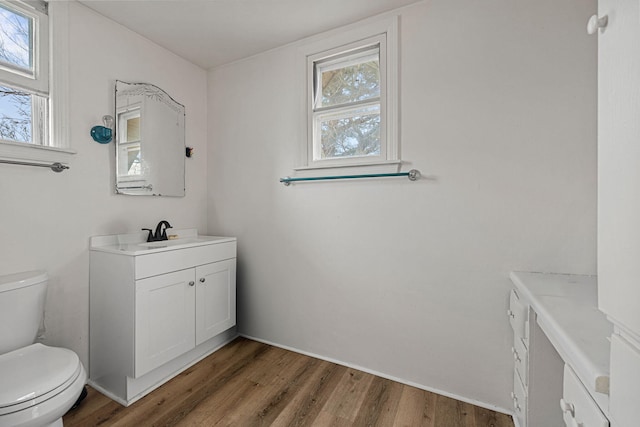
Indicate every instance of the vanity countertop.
{"type": "Point", "coordinates": [135, 244]}
{"type": "Point", "coordinates": [567, 311]}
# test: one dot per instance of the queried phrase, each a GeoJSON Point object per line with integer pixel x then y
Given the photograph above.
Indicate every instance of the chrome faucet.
{"type": "Point", "coordinates": [160, 233]}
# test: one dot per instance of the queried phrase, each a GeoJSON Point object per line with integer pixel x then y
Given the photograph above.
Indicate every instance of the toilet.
{"type": "Point", "coordinates": [38, 383]}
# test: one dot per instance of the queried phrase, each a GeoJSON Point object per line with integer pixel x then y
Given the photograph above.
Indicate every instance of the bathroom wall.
{"type": "Point", "coordinates": [498, 112]}
{"type": "Point", "coordinates": [46, 219]}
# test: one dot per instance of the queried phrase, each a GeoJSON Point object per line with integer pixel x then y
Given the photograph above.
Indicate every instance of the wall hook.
{"type": "Point", "coordinates": [103, 134]}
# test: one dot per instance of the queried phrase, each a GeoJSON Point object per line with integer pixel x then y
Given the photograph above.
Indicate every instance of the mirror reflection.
{"type": "Point", "coordinates": [150, 146]}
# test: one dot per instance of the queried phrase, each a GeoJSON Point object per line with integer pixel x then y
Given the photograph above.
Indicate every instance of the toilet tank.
{"type": "Point", "coordinates": [22, 298]}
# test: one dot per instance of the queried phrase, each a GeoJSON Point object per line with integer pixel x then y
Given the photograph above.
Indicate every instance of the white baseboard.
{"type": "Point", "coordinates": [389, 377]}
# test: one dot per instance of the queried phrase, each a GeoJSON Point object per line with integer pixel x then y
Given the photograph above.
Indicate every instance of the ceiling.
{"type": "Point", "coordinates": [210, 33]}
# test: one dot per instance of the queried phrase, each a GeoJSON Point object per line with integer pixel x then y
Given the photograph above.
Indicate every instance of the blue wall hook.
{"type": "Point", "coordinates": [103, 134]}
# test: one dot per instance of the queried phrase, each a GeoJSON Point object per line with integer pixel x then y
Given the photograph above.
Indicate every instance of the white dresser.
{"type": "Point", "coordinates": [561, 351]}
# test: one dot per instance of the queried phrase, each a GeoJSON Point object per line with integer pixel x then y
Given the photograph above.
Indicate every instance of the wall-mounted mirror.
{"type": "Point", "coordinates": [150, 146]}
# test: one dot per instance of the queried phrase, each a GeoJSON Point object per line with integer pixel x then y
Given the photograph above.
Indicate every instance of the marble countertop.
{"type": "Point", "coordinates": [135, 243]}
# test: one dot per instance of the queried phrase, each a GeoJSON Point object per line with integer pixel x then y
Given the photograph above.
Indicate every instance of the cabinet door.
{"type": "Point", "coordinates": [215, 299]}
{"type": "Point", "coordinates": [618, 162]}
{"type": "Point", "coordinates": [165, 317]}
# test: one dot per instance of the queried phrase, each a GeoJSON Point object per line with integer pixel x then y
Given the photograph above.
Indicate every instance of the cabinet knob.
{"type": "Point", "coordinates": [511, 314]}
{"type": "Point", "coordinates": [567, 407]}
{"type": "Point", "coordinates": [191, 283]}
{"type": "Point", "coordinates": [202, 280]}
{"type": "Point", "coordinates": [595, 23]}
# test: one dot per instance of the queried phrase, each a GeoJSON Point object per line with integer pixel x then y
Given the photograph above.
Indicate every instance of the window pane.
{"type": "Point", "coordinates": [133, 129]}
{"type": "Point", "coordinates": [354, 134]}
{"type": "Point", "coordinates": [133, 160]}
{"type": "Point", "coordinates": [357, 80]}
{"type": "Point", "coordinates": [15, 39]}
{"type": "Point", "coordinates": [15, 115]}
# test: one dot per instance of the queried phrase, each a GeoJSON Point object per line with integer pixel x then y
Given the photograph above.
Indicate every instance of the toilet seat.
{"type": "Point", "coordinates": [34, 374]}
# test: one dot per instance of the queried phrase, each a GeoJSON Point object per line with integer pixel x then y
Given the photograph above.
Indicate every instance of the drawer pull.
{"type": "Point", "coordinates": [202, 280]}
{"type": "Point", "coordinates": [516, 405]}
{"type": "Point", "coordinates": [511, 314]}
{"type": "Point", "coordinates": [570, 409]}
{"type": "Point", "coordinates": [191, 283]}
{"type": "Point", "coordinates": [567, 407]}
{"type": "Point", "coordinates": [516, 356]}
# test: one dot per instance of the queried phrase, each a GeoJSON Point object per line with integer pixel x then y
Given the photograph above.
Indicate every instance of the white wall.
{"type": "Point", "coordinates": [46, 219]}
{"type": "Point", "coordinates": [498, 108]}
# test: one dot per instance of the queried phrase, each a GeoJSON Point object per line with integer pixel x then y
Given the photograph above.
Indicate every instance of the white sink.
{"type": "Point", "coordinates": [167, 243]}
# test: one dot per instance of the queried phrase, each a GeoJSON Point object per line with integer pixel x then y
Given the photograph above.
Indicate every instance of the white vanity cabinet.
{"type": "Point", "coordinates": [157, 308]}
{"type": "Point", "coordinates": [177, 311]}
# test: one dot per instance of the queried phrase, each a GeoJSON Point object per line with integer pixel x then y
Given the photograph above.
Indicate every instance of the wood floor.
{"type": "Point", "coordinates": [247, 383]}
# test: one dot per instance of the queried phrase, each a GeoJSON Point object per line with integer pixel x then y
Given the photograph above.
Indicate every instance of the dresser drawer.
{"type": "Point", "coordinates": [518, 316]}
{"type": "Point", "coordinates": [519, 397]}
{"type": "Point", "coordinates": [520, 359]}
{"type": "Point", "coordinates": [578, 408]}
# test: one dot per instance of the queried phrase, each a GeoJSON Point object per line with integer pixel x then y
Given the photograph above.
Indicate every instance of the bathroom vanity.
{"type": "Point", "coordinates": [157, 308]}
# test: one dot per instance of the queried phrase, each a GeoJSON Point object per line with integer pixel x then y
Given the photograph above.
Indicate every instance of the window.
{"type": "Point", "coordinates": [351, 92]}
{"type": "Point", "coordinates": [346, 105]}
{"type": "Point", "coordinates": [24, 73]}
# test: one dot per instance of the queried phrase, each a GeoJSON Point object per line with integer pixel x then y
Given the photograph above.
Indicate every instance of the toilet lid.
{"type": "Point", "coordinates": [21, 280]}
{"type": "Point", "coordinates": [32, 371]}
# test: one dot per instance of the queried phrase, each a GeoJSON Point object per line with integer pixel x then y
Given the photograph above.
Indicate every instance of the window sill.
{"type": "Point", "coordinates": [34, 153]}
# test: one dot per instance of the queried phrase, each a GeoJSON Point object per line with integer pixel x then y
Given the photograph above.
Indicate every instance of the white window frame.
{"type": "Point", "coordinates": [377, 31]}
{"type": "Point", "coordinates": [56, 68]}
{"type": "Point", "coordinates": [325, 60]}
{"type": "Point", "coordinates": [38, 80]}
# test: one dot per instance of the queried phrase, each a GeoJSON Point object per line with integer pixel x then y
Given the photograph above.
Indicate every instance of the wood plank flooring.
{"type": "Point", "coordinates": [247, 383]}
